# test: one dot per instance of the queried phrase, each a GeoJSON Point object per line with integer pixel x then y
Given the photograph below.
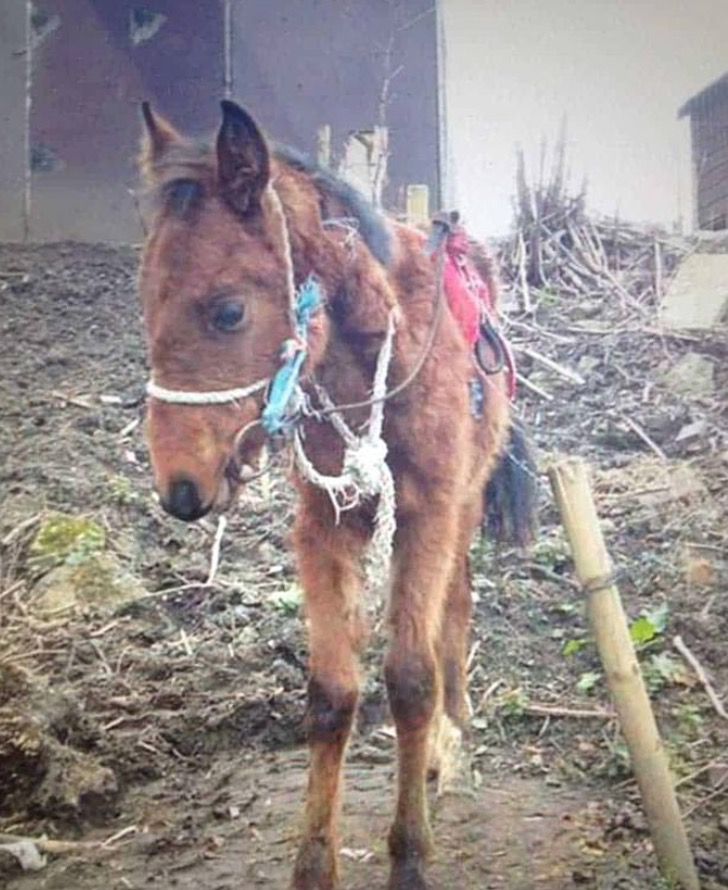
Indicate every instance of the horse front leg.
{"type": "Point", "coordinates": [329, 571]}
{"type": "Point", "coordinates": [413, 674]}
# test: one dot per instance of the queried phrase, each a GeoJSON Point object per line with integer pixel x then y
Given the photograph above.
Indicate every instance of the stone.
{"type": "Point", "coordinates": [697, 297]}
{"type": "Point", "coordinates": [692, 375]}
{"type": "Point", "coordinates": [699, 572]}
{"type": "Point", "coordinates": [98, 581]}
{"type": "Point", "coordinates": [694, 430]}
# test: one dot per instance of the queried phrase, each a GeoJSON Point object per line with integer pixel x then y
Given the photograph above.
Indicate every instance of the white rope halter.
{"type": "Point", "coordinates": [210, 397]}
{"type": "Point", "coordinates": [226, 396]}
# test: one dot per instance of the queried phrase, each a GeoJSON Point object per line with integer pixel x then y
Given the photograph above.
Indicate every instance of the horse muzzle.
{"type": "Point", "coordinates": [184, 501]}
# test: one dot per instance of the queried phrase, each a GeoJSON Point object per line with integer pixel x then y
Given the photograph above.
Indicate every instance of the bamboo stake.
{"type": "Point", "coordinates": [526, 305]}
{"type": "Point", "coordinates": [570, 485]}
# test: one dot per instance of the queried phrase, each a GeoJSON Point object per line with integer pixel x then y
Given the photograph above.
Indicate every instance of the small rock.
{"type": "Point", "coordinates": [247, 636]}
{"type": "Point", "coordinates": [692, 375]}
{"type": "Point", "coordinates": [692, 431]}
{"type": "Point", "coordinates": [98, 580]}
{"type": "Point", "coordinates": [699, 572]}
{"type": "Point", "coordinates": [587, 364]}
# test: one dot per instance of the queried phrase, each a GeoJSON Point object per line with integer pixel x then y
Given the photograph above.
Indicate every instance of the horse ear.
{"type": "Point", "coordinates": [159, 134]}
{"type": "Point", "coordinates": [243, 159]}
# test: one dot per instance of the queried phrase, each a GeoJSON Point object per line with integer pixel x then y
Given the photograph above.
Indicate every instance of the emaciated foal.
{"type": "Point", "coordinates": [237, 227]}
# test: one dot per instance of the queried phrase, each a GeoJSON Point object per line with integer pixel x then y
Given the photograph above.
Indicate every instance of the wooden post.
{"type": "Point", "coordinates": [323, 146]}
{"type": "Point", "coordinates": [570, 485]}
{"type": "Point", "coordinates": [418, 205]}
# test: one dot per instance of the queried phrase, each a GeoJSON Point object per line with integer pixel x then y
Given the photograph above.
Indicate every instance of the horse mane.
{"type": "Point", "coordinates": [370, 224]}
{"type": "Point", "coordinates": [187, 165]}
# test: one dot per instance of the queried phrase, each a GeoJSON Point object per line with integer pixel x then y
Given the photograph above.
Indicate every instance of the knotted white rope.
{"type": "Point", "coordinates": [365, 472]}
{"type": "Point", "coordinates": [208, 397]}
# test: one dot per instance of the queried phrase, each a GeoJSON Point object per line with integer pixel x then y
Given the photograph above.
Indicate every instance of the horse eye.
{"type": "Point", "coordinates": [228, 317]}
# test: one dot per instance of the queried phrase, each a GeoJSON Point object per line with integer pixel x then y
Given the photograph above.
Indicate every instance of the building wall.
{"type": "Point", "coordinates": [709, 129]}
{"type": "Point", "coordinates": [297, 64]}
{"type": "Point", "coordinates": [300, 64]}
{"type": "Point", "coordinates": [13, 17]}
{"type": "Point", "coordinates": [89, 75]}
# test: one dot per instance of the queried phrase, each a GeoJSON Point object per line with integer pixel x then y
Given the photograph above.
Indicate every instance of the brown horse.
{"type": "Point", "coordinates": [236, 227]}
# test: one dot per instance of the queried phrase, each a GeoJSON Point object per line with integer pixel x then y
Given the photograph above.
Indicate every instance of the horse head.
{"type": "Point", "coordinates": [216, 286]}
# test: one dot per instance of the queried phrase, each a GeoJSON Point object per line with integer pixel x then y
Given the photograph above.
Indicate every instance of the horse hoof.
{"type": "Point", "coordinates": [408, 875]}
{"type": "Point", "coordinates": [315, 867]}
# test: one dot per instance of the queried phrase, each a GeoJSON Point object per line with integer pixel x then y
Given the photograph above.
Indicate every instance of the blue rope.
{"type": "Point", "coordinates": [279, 413]}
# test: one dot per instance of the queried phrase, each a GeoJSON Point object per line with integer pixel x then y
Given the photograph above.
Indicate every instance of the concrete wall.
{"type": "Point", "coordinates": [296, 64]}
{"type": "Point", "coordinates": [13, 63]}
{"type": "Point", "coordinates": [89, 76]}
{"type": "Point", "coordinates": [299, 64]}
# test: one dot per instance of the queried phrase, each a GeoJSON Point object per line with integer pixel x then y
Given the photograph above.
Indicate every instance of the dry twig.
{"type": "Point", "coordinates": [692, 660]}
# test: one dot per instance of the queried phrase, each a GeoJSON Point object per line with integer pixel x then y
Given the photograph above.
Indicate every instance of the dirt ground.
{"type": "Point", "coordinates": [161, 737]}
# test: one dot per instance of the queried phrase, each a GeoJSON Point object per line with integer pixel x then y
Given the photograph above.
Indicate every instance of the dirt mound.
{"type": "Point", "coordinates": [46, 753]}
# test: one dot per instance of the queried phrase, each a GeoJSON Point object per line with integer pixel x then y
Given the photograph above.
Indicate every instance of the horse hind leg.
{"type": "Point", "coordinates": [328, 566]}
{"type": "Point", "coordinates": [414, 682]}
{"type": "Point", "coordinates": [447, 763]}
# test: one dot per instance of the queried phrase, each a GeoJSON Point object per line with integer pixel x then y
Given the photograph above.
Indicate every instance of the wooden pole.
{"type": "Point", "coordinates": [570, 484]}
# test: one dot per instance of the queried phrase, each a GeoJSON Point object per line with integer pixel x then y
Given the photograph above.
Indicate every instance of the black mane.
{"type": "Point", "coordinates": [371, 225]}
{"type": "Point", "coordinates": [183, 194]}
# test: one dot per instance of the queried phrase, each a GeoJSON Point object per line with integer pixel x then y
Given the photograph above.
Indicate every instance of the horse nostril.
{"type": "Point", "coordinates": [184, 501]}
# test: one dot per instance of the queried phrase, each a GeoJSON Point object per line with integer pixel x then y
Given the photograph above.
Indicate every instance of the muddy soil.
{"type": "Point", "coordinates": [169, 728]}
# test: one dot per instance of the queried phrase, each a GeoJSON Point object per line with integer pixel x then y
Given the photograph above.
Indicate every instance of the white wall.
{"type": "Point", "coordinates": [618, 69]}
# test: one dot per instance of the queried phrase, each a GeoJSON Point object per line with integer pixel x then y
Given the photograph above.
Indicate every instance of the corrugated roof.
{"type": "Point", "coordinates": [704, 95]}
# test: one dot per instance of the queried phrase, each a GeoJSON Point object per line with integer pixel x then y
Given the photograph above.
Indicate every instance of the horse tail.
{"type": "Point", "coordinates": [511, 493]}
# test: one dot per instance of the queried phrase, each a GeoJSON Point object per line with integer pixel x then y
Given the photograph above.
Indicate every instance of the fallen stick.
{"type": "Point", "coordinates": [570, 484]}
{"type": "Point", "coordinates": [567, 373]}
{"type": "Point", "coordinates": [541, 332]}
{"type": "Point", "coordinates": [578, 713]}
{"type": "Point", "coordinates": [20, 527]}
{"type": "Point", "coordinates": [129, 428]}
{"type": "Point", "coordinates": [526, 305]}
{"type": "Point", "coordinates": [72, 400]}
{"type": "Point", "coordinates": [532, 386]}
{"type": "Point", "coordinates": [56, 847]}
{"type": "Point", "coordinates": [686, 780]}
{"type": "Point", "coordinates": [722, 789]}
{"type": "Point", "coordinates": [216, 545]}
{"type": "Point", "coordinates": [14, 588]}
{"type": "Point", "coordinates": [682, 648]}
{"type": "Point", "coordinates": [637, 429]}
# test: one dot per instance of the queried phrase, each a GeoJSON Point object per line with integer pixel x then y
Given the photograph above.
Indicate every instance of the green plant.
{"type": "Point", "coordinates": [619, 763]}
{"type": "Point", "coordinates": [691, 719]}
{"type": "Point", "coordinates": [288, 600]}
{"type": "Point", "coordinates": [65, 539]}
{"type": "Point", "coordinates": [547, 297]}
{"type": "Point", "coordinates": [513, 703]}
{"type": "Point", "coordinates": [123, 492]}
{"type": "Point", "coordinates": [551, 551]}
{"type": "Point", "coordinates": [661, 670]}
{"type": "Point", "coordinates": [588, 681]}
{"type": "Point", "coordinates": [574, 646]}
{"type": "Point", "coordinates": [649, 626]}
{"type": "Point", "coordinates": [481, 552]}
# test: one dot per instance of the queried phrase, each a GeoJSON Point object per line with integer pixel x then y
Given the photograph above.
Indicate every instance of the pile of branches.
{"type": "Point", "coordinates": [557, 247]}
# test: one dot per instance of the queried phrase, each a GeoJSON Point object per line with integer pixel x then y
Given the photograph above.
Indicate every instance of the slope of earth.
{"type": "Point", "coordinates": [155, 738]}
